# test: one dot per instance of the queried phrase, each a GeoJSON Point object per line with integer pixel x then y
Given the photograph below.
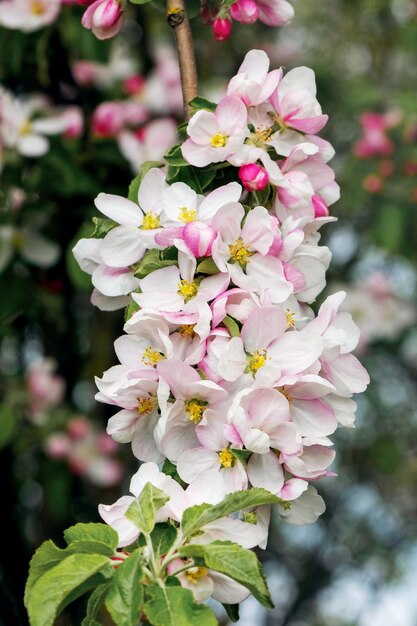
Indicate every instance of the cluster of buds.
{"type": "Point", "coordinates": [221, 15]}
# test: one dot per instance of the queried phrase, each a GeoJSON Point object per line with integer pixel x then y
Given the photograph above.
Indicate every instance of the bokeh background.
{"type": "Point", "coordinates": [356, 566]}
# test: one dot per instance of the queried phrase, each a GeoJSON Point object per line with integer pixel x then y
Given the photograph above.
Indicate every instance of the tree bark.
{"type": "Point", "coordinates": [178, 20]}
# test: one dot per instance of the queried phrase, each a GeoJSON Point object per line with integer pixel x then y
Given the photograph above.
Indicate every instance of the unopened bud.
{"type": "Point", "coordinates": [222, 27]}
{"type": "Point", "coordinates": [244, 11]}
{"type": "Point", "coordinates": [253, 176]}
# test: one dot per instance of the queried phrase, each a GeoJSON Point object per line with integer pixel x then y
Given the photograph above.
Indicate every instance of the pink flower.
{"type": "Point", "coordinates": [214, 137]}
{"type": "Point", "coordinates": [28, 15]}
{"type": "Point", "coordinates": [134, 84]}
{"type": "Point", "coordinates": [244, 11]}
{"type": "Point", "coordinates": [275, 12]}
{"type": "Point", "coordinates": [46, 389]}
{"type": "Point", "coordinates": [375, 141]}
{"type": "Point", "coordinates": [199, 238]}
{"type": "Point", "coordinates": [253, 83]}
{"type": "Point", "coordinates": [295, 101]}
{"type": "Point", "coordinates": [253, 177]}
{"type": "Point", "coordinates": [104, 18]}
{"type": "Point", "coordinates": [108, 119]}
{"type": "Point", "coordinates": [222, 27]}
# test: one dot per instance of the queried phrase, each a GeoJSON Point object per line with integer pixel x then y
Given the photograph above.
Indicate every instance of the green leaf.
{"type": "Point", "coordinates": [199, 103]}
{"type": "Point", "coordinates": [232, 326]}
{"type": "Point", "coordinates": [46, 556]}
{"type": "Point", "coordinates": [102, 226]}
{"type": "Point", "coordinates": [171, 470]}
{"type": "Point", "coordinates": [162, 537]}
{"type": "Point", "coordinates": [140, 1]}
{"type": "Point", "coordinates": [131, 308]}
{"type": "Point", "coordinates": [207, 266]}
{"type": "Point", "coordinates": [95, 602]}
{"type": "Point", "coordinates": [198, 516]}
{"type": "Point", "coordinates": [150, 262]}
{"type": "Point", "coordinates": [125, 597]}
{"type": "Point", "coordinates": [142, 511]}
{"type": "Point", "coordinates": [175, 606]}
{"type": "Point", "coordinates": [144, 169]}
{"type": "Point", "coordinates": [93, 538]}
{"type": "Point", "coordinates": [234, 561]}
{"type": "Point", "coordinates": [174, 157]}
{"type": "Point", "coordinates": [241, 455]}
{"type": "Point", "coordinates": [232, 611]}
{"type": "Point", "coordinates": [66, 580]}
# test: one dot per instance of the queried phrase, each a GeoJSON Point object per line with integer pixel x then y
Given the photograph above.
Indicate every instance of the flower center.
{"type": "Point", "coordinates": [37, 7]}
{"type": "Point", "coordinates": [187, 289]}
{"type": "Point", "coordinates": [290, 319]}
{"type": "Point", "coordinates": [187, 330]}
{"type": "Point", "coordinates": [145, 405]}
{"type": "Point", "coordinates": [219, 140]}
{"type": "Point", "coordinates": [26, 128]}
{"type": "Point", "coordinates": [151, 221]}
{"type": "Point", "coordinates": [226, 458]}
{"type": "Point", "coordinates": [187, 215]}
{"type": "Point", "coordinates": [257, 360]}
{"type": "Point", "coordinates": [196, 573]}
{"type": "Point", "coordinates": [239, 252]}
{"type": "Point", "coordinates": [151, 357]}
{"type": "Point", "coordinates": [195, 410]}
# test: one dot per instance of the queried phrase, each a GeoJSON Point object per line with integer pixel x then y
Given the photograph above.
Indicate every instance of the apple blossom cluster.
{"type": "Point", "coordinates": [226, 375]}
{"type": "Point", "coordinates": [220, 14]}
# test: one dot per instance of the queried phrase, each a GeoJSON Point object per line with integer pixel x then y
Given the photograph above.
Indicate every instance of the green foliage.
{"type": "Point", "coordinates": [232, 326]}
{"type": "Point", "coordinates": [175, 606]}
{"type": "Point", "coordinates": [151, 261]}
{"type": "Point", "coordinates": [198, 103]}
{"type": "Point", "coordinates": [62, 583]}
{"type": "Point", "coordinates": [241, 455]}
{"type": "Point", "coordinates": [96, 538]}
{"type": "Point", "coordinates": [94, 604]}
{"type": "Point", "coordinates": [195, 517]}
{"type": "Point", "coordinates": [232, 611]}
{"type": "Point", "coordinates": [234, 561]}
{"type": "Point", "coordinates": [162, 538]}
{"type": "Point", "coordinates": [142, 511]}
{"type": "Point", "coordinates": [124, 599]}
{"type": "Point", "coordinates": [174, 157]}
{"type": "Point", "coordinates": [207, 266]}
{"type": "Point", "coordinates": [102, 226]}
{"type": "Point", "coordinates": [8, 423]}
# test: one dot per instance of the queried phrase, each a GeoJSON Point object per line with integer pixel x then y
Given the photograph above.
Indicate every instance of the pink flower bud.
{"type": "Point", "coordinates": [108, 119]}
{"type": "Point", "coordinates": [78, 428]}
{"type": "Point", "coordinates": [57, 446]}
{"type": "Point", "coordinates": [104, 18]}
{"type": "Point", "coordinates": [320, 207]}
{"type": "Point", "coordinates": [199, 237]}
{"type": "Point", "coordinates": [253, 177]}
{"type": "Point", "coordinates": [134, 84]}
{"type": "Point", "coordinates": [222, 27]}
{"type": "Point", "coordinates": [245, 11]}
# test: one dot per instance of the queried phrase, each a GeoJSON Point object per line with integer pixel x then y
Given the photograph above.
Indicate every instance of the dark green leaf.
{"type": "Point", "coordinates": [124, 599]}
{"type": "Point", "coordinates": [174, 157]}
{"type": "Point", "coordinates": [151, 262]}
{"type": "Point", "coordinates": [241, 455]}
{"type": "Point", "coordinates": [207, 266]}
{"type": "Point", "coordinates": [175, 606]}
{"type": "Point", "coordinates": [198, 516]}
{"type": "Point", "coordinates": [8, 422]}
{"type": "Point", "coordinates": [142, 511]}
{"type": "Point", "coordinates": [234, 561]}
{"type": "Point", "coordinates": [199, 103]}
{"type": "Point", "coordinates": [95, 602]}
{"type": "Point", "coordinates": [232, 611]}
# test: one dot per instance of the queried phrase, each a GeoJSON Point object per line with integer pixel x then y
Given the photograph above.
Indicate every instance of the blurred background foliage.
{"type": "Point", "coordinates": [356, 565]}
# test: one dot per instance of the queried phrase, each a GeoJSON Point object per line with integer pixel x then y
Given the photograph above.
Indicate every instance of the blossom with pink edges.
{"type": "Point", "coordinates": [104, 18]}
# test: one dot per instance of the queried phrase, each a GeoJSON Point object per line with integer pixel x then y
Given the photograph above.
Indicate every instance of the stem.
{"type": "Point", "coordinates": [178, 20]}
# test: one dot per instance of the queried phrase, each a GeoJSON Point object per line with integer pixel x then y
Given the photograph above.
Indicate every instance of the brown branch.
{"type": "Point", "coordinates": [178, 20]}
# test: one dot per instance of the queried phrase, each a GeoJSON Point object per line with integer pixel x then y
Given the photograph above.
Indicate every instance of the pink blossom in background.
{"type": "Point", "coordinates": [28, 15]}
{"type": "Point", "coordinates": [46, 388]}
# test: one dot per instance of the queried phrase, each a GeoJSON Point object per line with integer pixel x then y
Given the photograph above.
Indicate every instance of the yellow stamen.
{"type": "Point", "coordinates": [187, 330]}
{"type": "Point", "coordinates": [187, 215]}
{"type": "Point", "coordinates": [187, 289]}
{"type": "Point", "coordinates": [290, 319]}
{"type": "Point", "coordinates": [219, 140]}
{"type": "Point", "coordinates": [151, 357]}
{"type": "Point", "coordinates": [146, 405]}
{"type": "Point", "coordinates": [226, 458]}
{"type": "Point", "coordinates": [151, 221]}
{"type": "Point", "coordinates": [37, 7]}
{"type": "Point", "coordinates": [257, 361]}
{"type": "Point", "coordinates": [195, 410]}
{"type": "Point", "coordinates": [284, 393]}
{"type": "Point", "coordinates": [196, 573]}
{"type": "Point", "coordinates": [26, 128]}
{"type": "Point", "coordinates": [239, 252]}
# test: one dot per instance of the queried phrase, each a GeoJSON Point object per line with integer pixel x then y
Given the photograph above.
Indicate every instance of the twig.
{"type": "Point", "coordinates": [178, 20]}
